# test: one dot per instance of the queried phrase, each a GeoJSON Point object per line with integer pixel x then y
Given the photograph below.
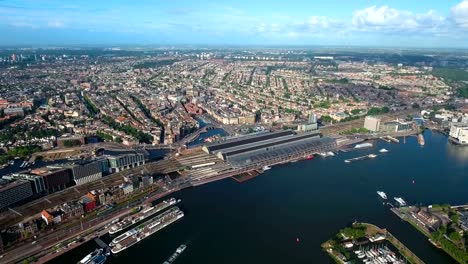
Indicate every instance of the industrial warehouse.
{"type": "Point", "coordinates": [270, 147]}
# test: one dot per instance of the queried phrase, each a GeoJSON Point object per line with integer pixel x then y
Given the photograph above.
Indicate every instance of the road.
{"type": "Point", "coordinates": [46, 242]}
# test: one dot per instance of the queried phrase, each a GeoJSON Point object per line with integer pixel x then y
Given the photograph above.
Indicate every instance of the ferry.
{"type": "Point", "coordinates": [265, 168]}
{"type": "Point", "coordinates": [370, 156]}
{"type": "Point", "coordinates": [383, 150]}
{"type": "Point", "coordinates": [124, 236]}
{"type": "Point", "coordinates": [363, 145]}
{"type": "Point", "coordinates": [146, 229]}
{"type": "Point", "coordinates": [382, 194]}
{"type": "Point", "coordinates": [131, 220]}
{"type": "Point", "coordinates": [400, 201]}
{"type": "Point", "coordinates": [176, 254]}
{"type": "Point", "coordinates": [95, 257]}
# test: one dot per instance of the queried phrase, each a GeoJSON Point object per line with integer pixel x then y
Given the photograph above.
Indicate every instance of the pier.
{"type": "Point", "coordinates": [390, 139]}
{"type": "Point", "coordinates": [102, 244]}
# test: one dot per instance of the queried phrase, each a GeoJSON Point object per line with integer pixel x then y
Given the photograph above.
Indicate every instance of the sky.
{"type": "Point", "coordinates": [396, 23]}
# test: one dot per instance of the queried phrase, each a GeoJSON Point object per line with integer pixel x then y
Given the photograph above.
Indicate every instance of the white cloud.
{"type": "Point", "coordinates": [20, 21]}
{"type": "Point", "coordinates": [460, 14]}
{"type": "Point", "coordinates": [56, 23]}
{"type": "Point", "coordinates": [387, 19]}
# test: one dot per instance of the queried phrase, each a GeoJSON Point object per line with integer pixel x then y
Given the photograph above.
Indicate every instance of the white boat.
{"type": "Point", "coordinates": [382, 194]}
{"type": "Point", "coordinates": [265, 168]}
{"type": "Point", "coordinates": [327, 154]}
{"type": "Point", "coordinates": [383, 150]}
{"type": "Point", "coordinates": [371, 156]}
{"type": "Point", "coordinates": [400, 201]}
{"type": "Point", "coordinates": [363, 145]}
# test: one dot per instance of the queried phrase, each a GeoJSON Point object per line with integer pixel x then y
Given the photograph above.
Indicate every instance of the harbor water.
{"type": "Point", "coordinates": [283, 215]}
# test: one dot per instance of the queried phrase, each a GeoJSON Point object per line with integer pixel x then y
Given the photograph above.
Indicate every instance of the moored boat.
{"type": "Point", "coordinates": [95, 257]}
{"type": "Point", "coordinates": [363, 145]}
{"type": "Point", "coordinates": [146, 229]}
{"type": "Point", "coordinates": [382, 194]}
{"type": "Point", "coordinates": [140, 216]}
{"type": "Point", "coordinates": [400, 201]}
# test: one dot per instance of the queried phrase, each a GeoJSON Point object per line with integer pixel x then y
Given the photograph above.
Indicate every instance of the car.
{"type": "Point", "coordinates": [34, 242]}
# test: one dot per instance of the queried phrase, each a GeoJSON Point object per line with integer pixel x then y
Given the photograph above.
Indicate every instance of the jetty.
{"type": "Point", "coordinates": [102, 244]}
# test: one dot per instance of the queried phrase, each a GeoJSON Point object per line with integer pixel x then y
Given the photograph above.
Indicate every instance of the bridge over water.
{"type": "Point", "coordinates": [196, 134]}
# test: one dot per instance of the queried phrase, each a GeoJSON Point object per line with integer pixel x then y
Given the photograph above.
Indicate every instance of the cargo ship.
{"type": "Point", "coordinates": [382, 194]}
{"type": "Point", "coordinates": [146, 229]}
{"type": "Point", "coordinates": [140, 216]}
{"type": "Point", "coordinates": [176, 254]}
{"type": "Point", "coordinates": [95, 257]}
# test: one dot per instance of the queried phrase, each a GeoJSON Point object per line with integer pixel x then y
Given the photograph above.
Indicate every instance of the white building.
{"type": "Point", "coordinates": [372, 123]}
{"type": "Point", "coordinates": [459, 133]}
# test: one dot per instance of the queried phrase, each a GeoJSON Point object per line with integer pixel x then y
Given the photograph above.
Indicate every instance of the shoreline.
{"type": "Point", "coordinates": [425, 232]}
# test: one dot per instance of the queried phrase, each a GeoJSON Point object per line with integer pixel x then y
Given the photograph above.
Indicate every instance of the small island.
{"type": "Point", "coordinates": [445, 226]}
{"type": "Point", "coordinates": [364, 243]}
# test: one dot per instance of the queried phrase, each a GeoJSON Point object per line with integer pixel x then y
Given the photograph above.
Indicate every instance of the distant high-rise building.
{"type": "Point", "coordinates": [13, 57]}
{"type": "Point", "coordinates": [312, 118]}
{"type": "Point", "coordinates": [372, 123]}
{"type": "Point", "coordinates": [459, 133]}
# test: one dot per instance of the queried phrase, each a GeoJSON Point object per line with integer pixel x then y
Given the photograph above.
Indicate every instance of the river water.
{"type": "Point", "coordinates": [258, 221]}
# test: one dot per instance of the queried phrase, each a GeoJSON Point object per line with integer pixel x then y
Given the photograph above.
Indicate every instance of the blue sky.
{"type": "Point", "coordinates": [426, 23]}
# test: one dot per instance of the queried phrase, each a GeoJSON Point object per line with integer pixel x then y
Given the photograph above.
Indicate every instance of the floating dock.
{"type": "Point", "coordinates": [103, 245]}
{"type": "Point", "coordinates": [245, 176]}
{"type": "Point", "coordinates": [390, 139]}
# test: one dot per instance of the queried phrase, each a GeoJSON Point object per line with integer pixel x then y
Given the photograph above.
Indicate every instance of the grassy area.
{"type": "Point", "coordinates": [336, 250]}
{"type": "Point", "coordinates": [378, 111]}
{"type": "Point", "coordinates": [453, 74]}
{"type": "Point", "coordinates": [21, 151]}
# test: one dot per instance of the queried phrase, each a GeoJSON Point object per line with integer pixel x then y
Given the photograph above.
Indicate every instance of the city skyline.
{"type": "Point", "coordinates": [338, 23]}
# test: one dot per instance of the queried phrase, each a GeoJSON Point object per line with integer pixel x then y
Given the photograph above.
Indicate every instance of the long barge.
{"type": "Point", "coordinates": [370, 156]}
{"type": "Point", "coordinates": [144, 230]}
{"type": "Point", "coordinates": [140, 216]}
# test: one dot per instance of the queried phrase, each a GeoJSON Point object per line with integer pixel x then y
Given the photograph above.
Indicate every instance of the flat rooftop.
{"type": "Point", "coordinates": [303, 147]}
{"type": "Point", "coordinates": [237, 142]}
